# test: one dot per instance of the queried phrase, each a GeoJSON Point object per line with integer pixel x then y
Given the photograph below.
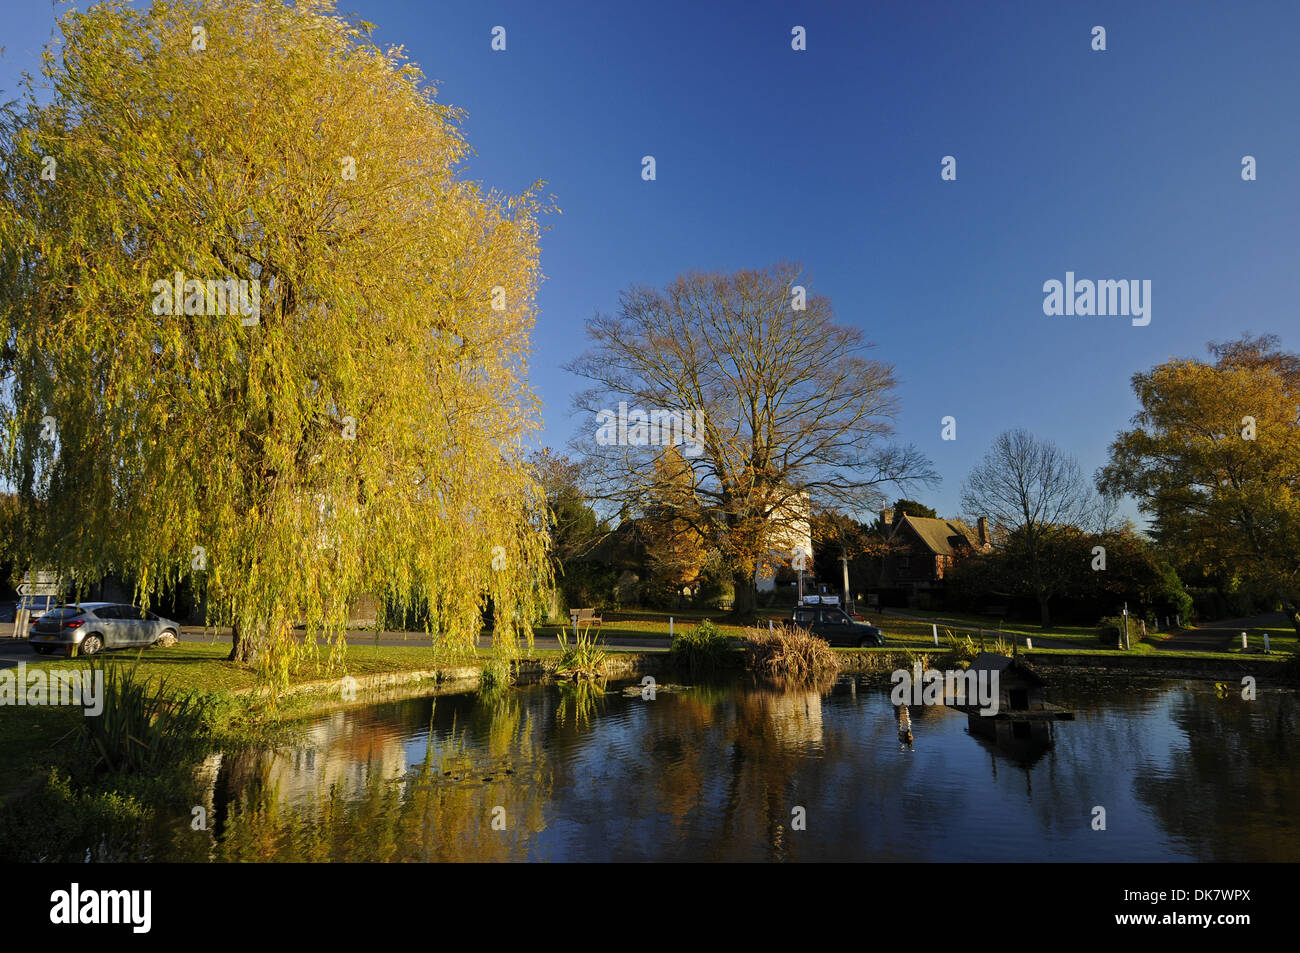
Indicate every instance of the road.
{"type": "Point", "coordinates": [13, 651]}
{"type": "Point", "coordinates": [1221, 635]}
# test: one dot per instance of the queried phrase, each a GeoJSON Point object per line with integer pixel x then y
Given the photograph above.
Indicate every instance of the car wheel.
{"type": "Point", "coordinates": [90, 645]}
{"type": "Point", "coordinates": [168, 638]}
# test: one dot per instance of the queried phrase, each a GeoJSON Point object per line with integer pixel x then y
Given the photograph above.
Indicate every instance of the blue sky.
{"type": "Point", "coordinates": [1117, 164]}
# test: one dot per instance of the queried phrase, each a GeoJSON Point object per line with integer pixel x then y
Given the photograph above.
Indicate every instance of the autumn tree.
{"type": "Point", "coordinates": [1214, 458]}
{"type": "Point", "coordinates": [257, 330]}
{"type": "Point", "coordinates": [777, 408]}
{"type": "Point", "coordinates": [676, 550]}
{"type": "Point", "coordinates": [1030, 488]}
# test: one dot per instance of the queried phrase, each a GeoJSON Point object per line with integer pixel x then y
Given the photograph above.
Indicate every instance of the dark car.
{"type": "Point", "coordinates": [91, 627]}
{"type": "Point", "coordinates": [835, 626]}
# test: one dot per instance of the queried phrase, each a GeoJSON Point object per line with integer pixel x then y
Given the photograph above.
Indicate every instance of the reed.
{"type": "Point", "coordinates": [789, 654]}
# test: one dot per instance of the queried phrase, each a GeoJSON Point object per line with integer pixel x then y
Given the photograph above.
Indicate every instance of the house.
{"type": "Point", "coordinates": [789, 542]}
{"type": "Point", "coordinates": [920, 551]}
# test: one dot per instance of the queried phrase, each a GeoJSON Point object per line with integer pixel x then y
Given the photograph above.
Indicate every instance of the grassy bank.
{"type": "Point", "coordinates": [1073, 635]}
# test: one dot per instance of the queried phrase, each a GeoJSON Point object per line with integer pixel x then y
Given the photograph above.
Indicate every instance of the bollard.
{"type": "Point", "coordinates": [936, 633]}
{"type": "Point", "coordinates": [670, 628]}
{"type": "Point", "coordinates": [1243, 640]}
{"type": "Point", "coordinates": [1029, 643]}
{"type": "Point", "coordinates": [769, 626]}
{"type": "Point", "coordinates": [1267, 649]}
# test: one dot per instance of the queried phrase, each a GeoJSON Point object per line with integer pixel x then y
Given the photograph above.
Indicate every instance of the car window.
{"type": "Point", "coordinates": [132, 613]}
{"type": "Point", "coordinates": [150, 616]}
{"type": "Point", "coordinates": [106, 612]}
{"type": "Point", "coordinates": [805, 617]}
{"type": "Point", "coordinates": [63, 612]}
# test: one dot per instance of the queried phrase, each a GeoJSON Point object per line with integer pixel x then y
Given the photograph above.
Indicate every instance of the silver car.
{"type": "Point", "coordinates": [91, 627]}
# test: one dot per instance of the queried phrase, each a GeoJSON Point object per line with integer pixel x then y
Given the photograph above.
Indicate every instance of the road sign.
{"type": "Point", "coordinates": [37, 589]}
{"type": "Point", "coordinates": [39, 584]}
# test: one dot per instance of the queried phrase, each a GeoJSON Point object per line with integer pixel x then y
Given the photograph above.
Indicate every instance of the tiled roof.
{"type": "Point", "coordinates": [942, 535]}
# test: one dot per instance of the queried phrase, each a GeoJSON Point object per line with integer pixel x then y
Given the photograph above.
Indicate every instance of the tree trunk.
{"type": "Point", "coordinates": [1045, 616]}
{"type": "Point", "coordinates": [242, 648]}
{"type": "Point", "coordinates": [1292, 609]}
{"type": "Point", "coordinates": [744, 608]}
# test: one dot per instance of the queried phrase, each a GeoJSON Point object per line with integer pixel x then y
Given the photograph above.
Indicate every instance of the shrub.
{"type": "Point", "coordinates": [142, 729]}
{"type": "Point", "coordinates": [1111, 628]}
{"type": "Point", "coordinates": [60, 824]}
{"type": "Point", "coordinates": [788, 653]}
{"type": "Point", "coordinates": [496, 674]}
{"type": "Point", "coordinates": [701, 650]}
{"type": "Point", "coordinates": [583, 659]}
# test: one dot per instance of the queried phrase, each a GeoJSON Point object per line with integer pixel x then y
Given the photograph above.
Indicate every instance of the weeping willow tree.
{"type": "Point", "coordinates": [260, 334]}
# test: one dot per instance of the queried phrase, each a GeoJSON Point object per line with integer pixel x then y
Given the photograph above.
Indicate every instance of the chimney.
{"type": "Point", "coordinates": [886, 518]}
{"type": "Point", "coordinates": [982, 527]}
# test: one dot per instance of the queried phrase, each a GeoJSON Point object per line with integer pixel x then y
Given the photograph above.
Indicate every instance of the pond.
{"type": "Point", "coordinates": [744, 773]}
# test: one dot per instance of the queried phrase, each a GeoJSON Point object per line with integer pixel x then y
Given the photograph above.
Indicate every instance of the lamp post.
{"type": "Point", "coordinates": [848, 599]}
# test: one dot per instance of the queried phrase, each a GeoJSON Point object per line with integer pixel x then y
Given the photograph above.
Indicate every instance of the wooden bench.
{"type": "Point", "coordinates": [585, 618]}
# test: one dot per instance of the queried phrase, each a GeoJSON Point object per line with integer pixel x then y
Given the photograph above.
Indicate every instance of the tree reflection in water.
{"type": "Point", "coordinates": [716, 772]}
{"type": "Point", "coordinates": [461, 802]}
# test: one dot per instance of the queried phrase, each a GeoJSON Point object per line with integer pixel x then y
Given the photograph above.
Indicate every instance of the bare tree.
{"type": "Point", "coordinates": [776, 407]}
{"type": "Point", "coordinates": [1027, 487]}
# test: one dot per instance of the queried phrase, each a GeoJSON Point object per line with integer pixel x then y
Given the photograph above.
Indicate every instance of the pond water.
{"type": "Point", "coordinates": [741, 773]}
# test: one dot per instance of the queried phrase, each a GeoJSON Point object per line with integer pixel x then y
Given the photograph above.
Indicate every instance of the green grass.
{"type": "Point", "coordinates": [648, 625]}
{"type": "Point", "coordinates": [1282, 642]}
{"type": "Point", "coordinates": [899, 633]}
{"type": "Point", "coordinates": [202, 666]}
{"type": "Point", "coordinates": [1083, 636]}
